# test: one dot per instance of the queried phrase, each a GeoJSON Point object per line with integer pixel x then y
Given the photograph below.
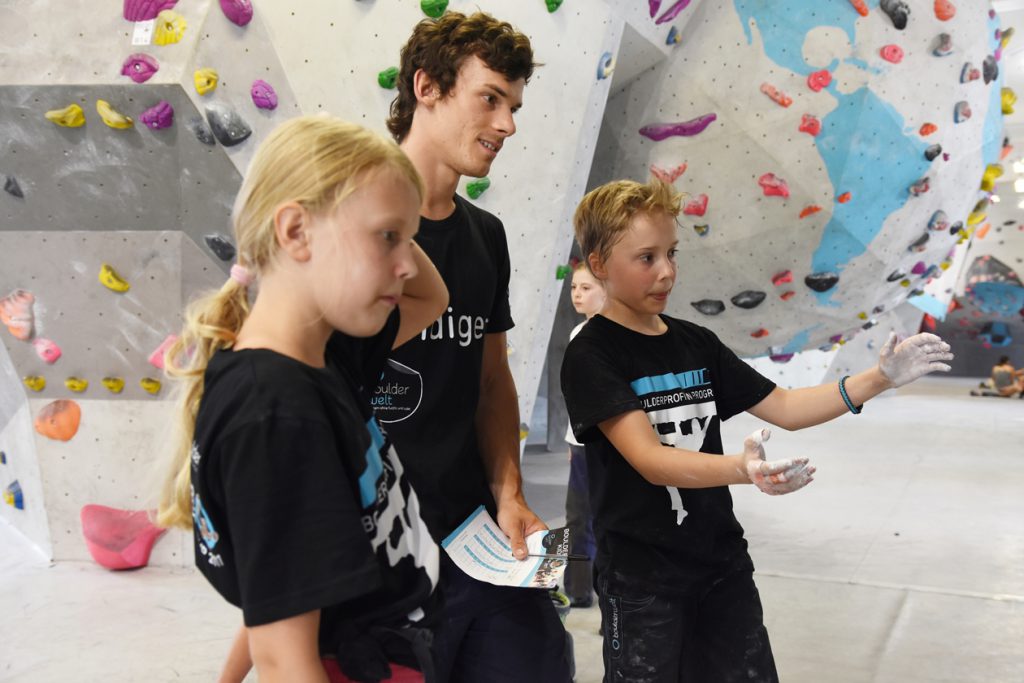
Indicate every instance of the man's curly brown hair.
{"type": "Point", "coordinates": [440, 46]}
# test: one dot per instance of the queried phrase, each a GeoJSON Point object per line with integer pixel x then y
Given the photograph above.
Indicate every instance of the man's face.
{"type": "Point", "coordinates": [470, 124]}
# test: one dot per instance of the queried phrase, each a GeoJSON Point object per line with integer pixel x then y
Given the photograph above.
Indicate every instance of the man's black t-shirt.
{"type": "Point", "coordinates": [427, 395]}
{"type": "Point", "coordinates": [299, 502]}
{"type": "Point", "coordinates": [686, 381]}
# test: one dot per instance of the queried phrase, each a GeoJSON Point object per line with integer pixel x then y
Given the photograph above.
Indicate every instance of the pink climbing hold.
{"type": "Point", "coordinates": [119, 539]}
{"type": "Point", "coordinates": [696, 206]}
{"type": "Point", "coordinates": [892, 53]}
{"type": "Point", "coordinates": [819, 79]}
{"type": "Point", "coordinates": [161, 115]}
{"type": "Point", "coordinates": [782, 278]}
{"type": "Point", "coordinates": [237, 11]}
{"type": "Point", "coordinates": [918, 268]}
{"type": "Point", "coordinates": [139, 67]}
{"type": "Point", "coordinates": [144, 10]}
{"type": "Point", "coordinates": [16, 314]}
{"type": "Point", "coordinates": [660, 131]}
{"type": "Point", "coordinates": [47, 350]}
{"type": "Point", "coordinates": [776, 95]}
{"type": "Point", "coordinates": [810, 124]}
{"type": "Point", "coordinates": [653, 6]}
{"type": "Point", "coordinates": [263, 95]}
{"type": "Point", "coordinates": [668, 176]}
{"type": "Point", "coordinates": [673, 11]}
{"type": "Point", "coordinates": [156, 358]}
{"type": "Point", "coordinates": [773, 186]}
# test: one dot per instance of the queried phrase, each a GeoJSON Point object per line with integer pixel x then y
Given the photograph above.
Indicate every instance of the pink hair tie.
{"type": "Point", "coordinates": [241, 275]}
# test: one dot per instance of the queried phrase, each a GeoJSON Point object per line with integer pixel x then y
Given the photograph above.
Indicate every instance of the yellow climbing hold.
{"type": "Point", "coordinates": [862, 315]}
{"type": "Point", "coordinates": [205, 80]}
{"type": "Point", "coordinates": [169, 27]}
{"type": "Point", "coordinates": [945, 265]}
{"type": "Point", "coordinates": [35, 382]}
{"type": "Point", "coordinates": [1004, 39]}
{"type": "Point", "coordinates": [112, 117]}
{"type": "Point", "coordinates": [112, 281]}
{"type": "Point", "coordinates": [904, 283]}
{"type": "Point", "coordinates": [76, 384]}
{"type": "Point", "coordinates": [113, 384]}
{"type": "Point", "coordinates": [977, 215]}
{"type": "Point", "coordinates": [988, 178]}
{"type": "Point", "coordinates": [1009, 98]}
{"type": "Point", "coordinates": [151, 386]}
{"type": "Point", "coordinates": [70, 116]}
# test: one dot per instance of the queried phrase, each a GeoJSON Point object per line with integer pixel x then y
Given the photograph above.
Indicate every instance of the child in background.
{"type": "Point", "coordinates": [587, 299]}
{"type": "Point", "coordinates": [301, 512]}
{"type": "Point", "coordinates": [645, 394]}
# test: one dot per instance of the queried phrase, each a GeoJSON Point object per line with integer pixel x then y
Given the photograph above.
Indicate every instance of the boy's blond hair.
{"type": "Point", "coordinates": [605, 212]}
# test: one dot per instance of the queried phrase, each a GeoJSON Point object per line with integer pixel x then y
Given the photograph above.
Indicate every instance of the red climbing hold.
{"type": "Point", "coordinates": [809, 210]}
{"type": "Point", "coordinates": [819, 79]}
{"type": "Point", "coordinates": [944, 10]}
{"type": "Point", "coordinates": [119, 539]}
{"type": "Point", "coordinates": [786, 296]}
{"type": "Point", "coordinates": [696, 206]}
{"type": "Point", "coordinates": [776, 95]}
{"type": "Point", "coordinates": [860, 6]}
{"type": "Point", "coordinates": [773, 186]}
{"type": "Point", "coordinates": [927, 129]}
{"type": "Point", "coordinates": [892, 53]}
{"type": "Point", "coordinates": [782, 278]}
{"type": "Point", "coordinates": [757, 334]}
{"type": "Point", "coordinates": [810, 124]}
{"type": "Point", "coordinates": [844, 197]}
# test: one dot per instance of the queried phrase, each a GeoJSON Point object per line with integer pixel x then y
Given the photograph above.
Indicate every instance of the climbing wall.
{"type": "Point", "coordinates": [123, 137]}
{"type": "Point", "coordinates": [832, 158]}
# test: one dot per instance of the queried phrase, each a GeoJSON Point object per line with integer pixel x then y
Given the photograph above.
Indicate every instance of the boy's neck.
{"type": "Point", "coordinates": [644, 323]}
{"type": "Point", "coordinates": [439, 179]}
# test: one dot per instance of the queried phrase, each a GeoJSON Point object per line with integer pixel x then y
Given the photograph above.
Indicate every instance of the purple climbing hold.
{"type": "Point", "coordinates": [961, 112]}
{"type": "Point", "coordinates": [708, 306]}
{"type": "Point", "coordinates": [139, 67]}
{"type": "Point", "coordinates": [932, 152]}
{"type": "Point", "coordinates": [821, 282]}
{"type": "Point", "coordinates": [661, 131]}
{"type": "Point", "coordinates": [836, 338]}
{"type": "Point", "coordinates": [220, 245]}
{"type": "Point", "coordinates": [12, 187]}
{"type": "Point", "coordinates": [198, 126]}
{"type": "Point", "coordinates": [161, 115]}
{"type": "Point", "coordinates": [919, 244]}
{"type": "Point", "coordinates": [653, 6]}
{"type": "Point", "coordinates": [989, 69]}
{"type": "Point", "coordinates": [144, 10]}
{"type": "Point", "coordinates": [673, 11]}
{"type": "Point", "coordinates": [237, 11]}
{"type": "Point", "coordinates": [748, 299]}
{"type": "Point", "coordinates": [776, 355]}
{"type": "Point", "coordinates": [944, 45]}
{"type": "Point", "coordinates": [263, 95]}
{"type": "Point", "coordinates": [939, 221]}
{"type": "Point", "coordinates": [897, 11]}
{"type": "Point", "coordinates": [918, 268]}
{"type": "Point", "coordinates": [228, 127]}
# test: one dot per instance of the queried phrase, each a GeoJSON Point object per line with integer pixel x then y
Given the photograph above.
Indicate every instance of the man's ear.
{"type": "Point", "coordinates": [597, 266]}
{"type": "Point", "coordinates": [292, 223]}
{"type": "Point", "coordinates": [426, 90]}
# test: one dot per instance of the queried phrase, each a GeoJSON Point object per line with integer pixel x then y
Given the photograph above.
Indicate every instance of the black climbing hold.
{"type": "Point", "coordinates": [227, 126]}
{"type": "Point", "coordinates": [879, 308]}
{"type": "Point", "coordinates": [1009, 222]}
{"type": "Point", "coordinates": [989, 69]}
{"type": "Point", "coordinates": [932, 152]}
{"type": "Point", "coordinates": [915, 292]}
{"type": "Point", "coordinates": [221, 246]}
{"type": "Point", "coordinates": [12, 187]}
{"type": "Point", "coordinates": [895, 275]}
{"type": "Point", "coordinates": [748, 299]}
{"type": "Point", "coordinates": [918, 244]}
{"type": "Point", "coordinates": [708, 306]}
{"type": "Point", "coordinates": [869, 324]}
{"type": "Point", "coordinates": [821, 282]}
{"type": "Point", "coordinates": [956, 227]}
{"type": "Point", "coordinates": [201, 130]}
{"type": "Point", "coordinates": [898, 11]}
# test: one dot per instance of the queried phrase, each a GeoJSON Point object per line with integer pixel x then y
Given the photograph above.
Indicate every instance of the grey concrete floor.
{"type": "Point", "coordinates": [902, 562]}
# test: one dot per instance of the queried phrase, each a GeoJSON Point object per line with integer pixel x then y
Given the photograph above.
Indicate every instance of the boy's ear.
{"type": "Point", "coordinates": [291, 229]}
{"type": "Point", "coordinates": [597, 267]}
{"type": "Point", "coordinates": [425, 88]}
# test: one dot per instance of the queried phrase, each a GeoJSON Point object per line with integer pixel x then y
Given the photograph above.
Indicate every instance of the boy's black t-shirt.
{"type": "Point", "coordinates": [427, 395]}
{"type": "Point", "coordinates": [686, 381]}
{"type": "Point", "coordinates": [299, 502]}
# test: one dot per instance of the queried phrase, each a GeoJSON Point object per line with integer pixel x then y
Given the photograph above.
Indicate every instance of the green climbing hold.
{"type": "Point", "coordinates": [553, 5]}
{"type": "Point", "coordinates": [433, 8]}
{"type": "Point", "coordinates": [563, 271]}
{"type": "Point", "coordinates": [475, 188]}
{"type": "Point", "coordinates": [387, 78]}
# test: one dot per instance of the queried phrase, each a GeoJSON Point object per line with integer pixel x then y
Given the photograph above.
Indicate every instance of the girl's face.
{"type": "Point", "coordinates": [587, 292]}
{"type": "Point", "coordinates": [362, 253]}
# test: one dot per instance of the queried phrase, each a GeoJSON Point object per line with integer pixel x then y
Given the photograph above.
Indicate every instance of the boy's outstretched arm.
{"type": "Point", "coordinates": [898, 364]}
{"type": "Point", "coordinates": [661, 465]}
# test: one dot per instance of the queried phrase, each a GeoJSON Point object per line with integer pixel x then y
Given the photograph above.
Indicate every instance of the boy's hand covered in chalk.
{"type": "Point", "coordinates": [913, 358]}
{"type": "Point", "coordinates": [779, 476]}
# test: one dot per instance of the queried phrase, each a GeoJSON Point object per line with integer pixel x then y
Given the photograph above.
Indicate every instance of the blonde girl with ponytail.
{"type": "Point", "coordinates": [300, 510]}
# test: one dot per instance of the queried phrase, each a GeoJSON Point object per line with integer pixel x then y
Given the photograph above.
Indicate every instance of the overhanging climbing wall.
{"type": "Point", "coordinates": [832, 160]}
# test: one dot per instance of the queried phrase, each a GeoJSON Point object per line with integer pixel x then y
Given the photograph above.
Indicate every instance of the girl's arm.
{"type": "Point", "coordinates": [424, 298]}
{"type": "Point", "coordinates": [286, 651]}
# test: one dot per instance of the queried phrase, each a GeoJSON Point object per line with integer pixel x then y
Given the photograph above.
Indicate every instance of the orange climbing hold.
{"type": "Point", "coordinates": [927, 129]}
{"type": "Point", "coordinates": [786, 296]}
{"type": "Point", "coordinates": [944, 10]}
{"type": "Point", "coordinates": [59, 420]}
{"type": "Point", "coordinates": [810, 210]}
{"type": "Point", "coordinates": [860, 6]}
{"type": "Point", "coordinates": [776, 95]}
{"type": "Point", "coordinates": [982, 231]}
{"type": "Point", "coordinates": [757, 334]}
{"type": "Point", "coordinates": [844, 197]}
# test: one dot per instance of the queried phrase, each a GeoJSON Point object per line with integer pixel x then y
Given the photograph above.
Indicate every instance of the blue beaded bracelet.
{"type": "Point", "coordinates": [846, 397]}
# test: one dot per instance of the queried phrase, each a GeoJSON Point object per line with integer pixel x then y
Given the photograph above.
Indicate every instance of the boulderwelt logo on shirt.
{"type": "Point", "coordinates": [398, 394]}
